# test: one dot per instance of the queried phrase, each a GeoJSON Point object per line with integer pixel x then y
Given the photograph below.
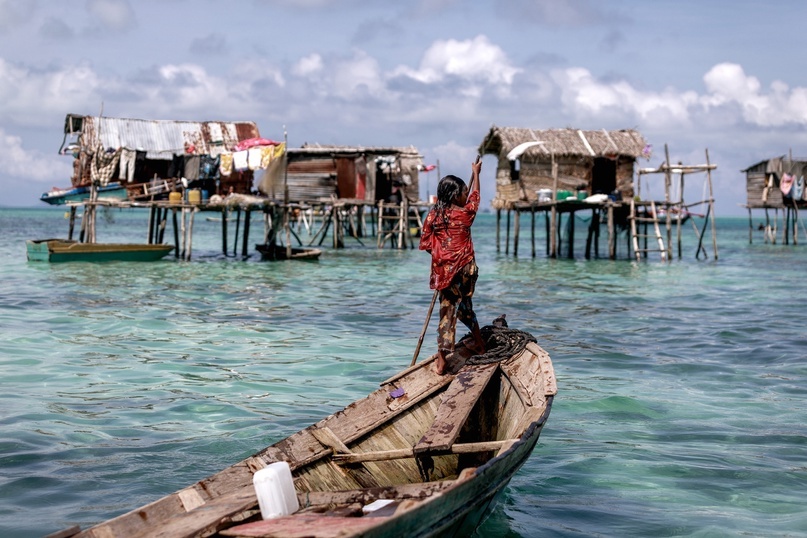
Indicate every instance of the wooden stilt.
{"type": "Point", "coordinates": [176, 233]}
{"type": "Point", "coordinates": [224, 231]}
{"type": "Point", "coordinates": [245, 239]}
{"type": "Point", "coordinates": [507, 232]}
{"type": "Point", "coordinates": [516, 231]}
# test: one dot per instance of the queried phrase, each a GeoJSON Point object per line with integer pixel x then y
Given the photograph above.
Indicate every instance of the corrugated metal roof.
{"type": "Point", "coordinates": [160, 139]}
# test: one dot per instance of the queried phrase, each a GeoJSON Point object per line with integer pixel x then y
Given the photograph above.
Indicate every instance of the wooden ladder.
{"type": "Point", "coordinates": [634, 228]}
{"type": "Point", "coordinates": [399, 218]}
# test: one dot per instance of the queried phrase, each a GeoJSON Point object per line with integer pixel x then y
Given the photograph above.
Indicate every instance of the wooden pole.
{"type": "Point", "coordinates": [176, 233]}
{"type": "Point", "coordinates": [245, 242]}
{"type": "Point", "coordinates": [711, 203]}
{"type": "Point", "coordinates": [423, 332]}
{"type": "Point", "coordinates": [498, 229]}
{"type": "Point", "coordinates": [190, 233]}
{"type": "Point", "coordinates": [516, 232]}
{"type": "Point", "coordinates": [553, 246]}
{"type": "Point", "coordinates": [611, 238]}
{"type": "Point", "coordinates": [72, 223]}
{"type": "Point", "coordinates": [532, 229]}
{"type": "Point", "coordinates": [223, 230]}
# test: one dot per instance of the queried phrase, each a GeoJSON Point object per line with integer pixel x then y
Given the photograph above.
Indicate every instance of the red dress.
{"type": "Point", "coordinates": [451, 247]}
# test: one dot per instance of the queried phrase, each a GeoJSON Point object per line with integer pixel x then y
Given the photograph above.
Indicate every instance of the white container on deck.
{"type": "Point", "coordinates": [275, 490]}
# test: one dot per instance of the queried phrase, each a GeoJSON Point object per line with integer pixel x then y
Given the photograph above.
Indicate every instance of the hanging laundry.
{"type": "Point", "coordinates": [127, 164]}
{"type": "Point", "coordinates": [267, 154]}
{"type": "Point", "coordinates": [786, 185]}
{"type": "Point", "coordinates": [798, 188]}
{"type": "Point", "coordinates": [209, 167]}
{"type": "Point", "coordinates": [192, 164]}
{"type": "Point", "coordinates": [254, 158]}
{"type": "Point", "coordinates": [226, 165]}
{"type": "Point", "coordinates": [240, 161]}
{"type": "Point", "coordinates": [177, 166]}
{"type": "Point", "coordinates": [252, 142]}
{"type": "Point", "coordinates": [104, 164]}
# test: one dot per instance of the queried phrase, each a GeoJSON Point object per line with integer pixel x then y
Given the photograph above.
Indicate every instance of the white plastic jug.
{"type": "Point", "coordinates": [275, 490]}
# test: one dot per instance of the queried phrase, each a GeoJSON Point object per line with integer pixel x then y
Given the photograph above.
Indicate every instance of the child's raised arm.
{"type": "Point", "coordinates": [476, 167]}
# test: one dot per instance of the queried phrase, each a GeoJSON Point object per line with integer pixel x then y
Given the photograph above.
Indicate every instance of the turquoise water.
{"type": "Point", "coordinates": [682, 386]}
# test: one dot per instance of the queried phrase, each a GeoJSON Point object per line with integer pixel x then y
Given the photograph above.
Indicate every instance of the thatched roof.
{"type": "Point", "coordinates": [567, 142]}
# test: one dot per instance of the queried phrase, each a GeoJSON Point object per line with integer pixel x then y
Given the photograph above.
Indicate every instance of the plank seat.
{"type": "Point", "coordinates": [458, 401]}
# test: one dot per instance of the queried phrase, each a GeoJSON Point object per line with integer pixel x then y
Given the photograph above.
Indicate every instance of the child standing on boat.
{"type": "Point", "coordinates": [447, 237]}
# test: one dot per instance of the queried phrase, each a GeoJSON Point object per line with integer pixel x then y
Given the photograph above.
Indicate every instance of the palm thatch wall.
{"type": "Point", "coordinates": [591, 161]}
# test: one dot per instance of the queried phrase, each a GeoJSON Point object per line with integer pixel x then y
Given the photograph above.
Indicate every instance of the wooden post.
{"type": "Point", "coordinates": [72, 222]}
{"type": "Point", "coordinates": [547, 231]}
{"type": "Point", "coordinates": [750, 228]}
{"type": "Point", "coordinates": [190, 233]}
{"type": "Point", "coordinates": [571, 234]}
{"type": "Point", "coordinates": [223, 230]}
{"type": "Point", "coordinates": [611, 238]}
{"type": "Point", "coordinates": [245, 243]}
{"type": "Point", "coordinates": [151, 224]}
{"type": "Point", "coordinates": [516, 231]}
{"type": "Point", "coordinates": [507, 234]}
{"type": "Point", "coordinates": [553, 247]}
{"type": "Point", "coordinates": [237, 228]}
{"type": "Point", "coordinates": [498, 227]}
{"type": "Point", "coordinates": [176, 233]}
{"type": "Point", "coordinates": [667, 187]}
{"type": "Point", "coordinates": [711, 203]}
{"type": "Point", "coordinates": [532, 228]}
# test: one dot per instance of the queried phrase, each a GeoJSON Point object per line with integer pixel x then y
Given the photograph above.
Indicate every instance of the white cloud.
{"type": "Point", "coordinates": [356, 77]}
{"type": "Point", "coordinates": [309, 65]}
{"type": "Point", "coordinates": [584, 95]}
{"type": "Point", "coordinates": [474, 60]}
{"type": "Point", "coordinates": [30, 97]}
{"type": "Point", "coordinates": [728, 84]}
{"type": "Point", "coordinates": [34, 165]}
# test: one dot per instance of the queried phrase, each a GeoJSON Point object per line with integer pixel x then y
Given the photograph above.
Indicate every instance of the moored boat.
{"type": "Point", "coordinates": [280, 252]}
{"type": "Point", "coordinates": [63, 250]}
{"type": "Point", "coordinates": [57, 196]}
{"type": "Point", "coordinates": [424, 455]}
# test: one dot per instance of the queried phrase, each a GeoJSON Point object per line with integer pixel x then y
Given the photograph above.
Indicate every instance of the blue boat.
{"type": "Point", "coordinates": [80, 194]}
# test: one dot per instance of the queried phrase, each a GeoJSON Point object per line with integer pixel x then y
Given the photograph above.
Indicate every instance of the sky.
{"type": "Point", "coordinates": [722, 76]}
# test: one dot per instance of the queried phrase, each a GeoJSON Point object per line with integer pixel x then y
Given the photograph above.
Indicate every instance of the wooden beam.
{"type": "Point", "coordinates": [401, 453]}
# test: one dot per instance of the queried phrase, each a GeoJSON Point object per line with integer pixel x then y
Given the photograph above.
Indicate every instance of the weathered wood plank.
{"type": "Point", "coordinates": [458, 401]}
{"type": "Point", "coordinates": [305, 526]}
{"type": "Point", "coordinates": [456, 448]}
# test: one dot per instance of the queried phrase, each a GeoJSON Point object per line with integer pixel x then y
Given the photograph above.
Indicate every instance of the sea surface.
{"type": "Point", "coordinates": [682, 386]}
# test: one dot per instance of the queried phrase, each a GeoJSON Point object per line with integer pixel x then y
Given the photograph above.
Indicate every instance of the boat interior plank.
{"type": "Point", "coordinates": [458, 401]}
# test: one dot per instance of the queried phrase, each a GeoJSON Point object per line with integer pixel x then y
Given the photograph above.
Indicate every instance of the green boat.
{"type": "Point", "coordinates": [63, 250]}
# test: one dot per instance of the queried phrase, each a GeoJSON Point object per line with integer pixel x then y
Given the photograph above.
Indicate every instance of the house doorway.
{"type": "Point", "coordinates": [603, 176]}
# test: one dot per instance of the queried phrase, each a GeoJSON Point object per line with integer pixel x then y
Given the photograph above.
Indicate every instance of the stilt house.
{"type": "Point", "coordinates": [590, 162]}
{"type": "Point", "coordinates": [776, 183]}
{"type": "Point", "coordinates": [316, 173]}
{"type": "Point", "coordinates": [139, 152]}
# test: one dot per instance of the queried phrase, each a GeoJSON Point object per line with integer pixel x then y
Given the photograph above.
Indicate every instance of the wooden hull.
{"type": "Point", "coordinates": [279, 252]}
{"type": "Point", "coordinates": [61, 250]}
{"type": "Point", "coordinates": [80, 194]}
{"type": "Point", "coordinates": [439, 448]}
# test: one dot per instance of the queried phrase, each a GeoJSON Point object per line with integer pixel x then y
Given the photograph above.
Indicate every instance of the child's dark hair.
{"type": "Point", "coordinates": [448, 190]}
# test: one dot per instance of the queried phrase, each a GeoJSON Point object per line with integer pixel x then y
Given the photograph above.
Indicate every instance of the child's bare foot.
{"type": "Point", "coordinates": [440, 365]}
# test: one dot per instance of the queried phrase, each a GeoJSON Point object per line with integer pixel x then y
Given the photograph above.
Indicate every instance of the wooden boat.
{"type": "Point", "coordinates": [57, 196]}
{"type": "Point", "coordinates": [437, 447]}
{"type": "Point", "coordinates": [62, 250]}
{"type": "Point", "coordinates": [279, 252]}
